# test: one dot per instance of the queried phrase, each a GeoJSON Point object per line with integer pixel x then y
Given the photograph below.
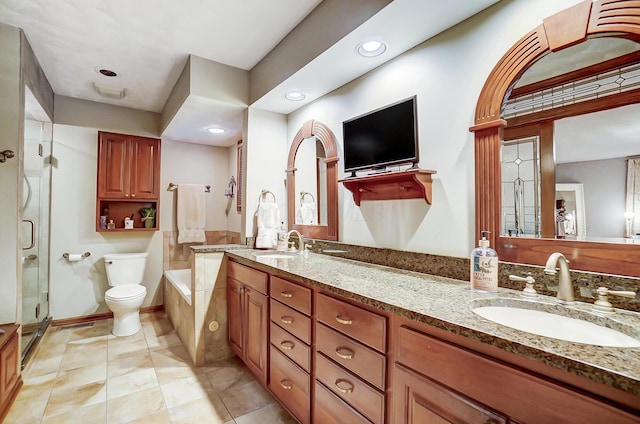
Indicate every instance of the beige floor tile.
{"type": "Point", "coordinates": [64, 399]}
{"type": "Point", "coordinates": [174, 356]}
{"type": "Point", "coordinates": [138, 405]}
{"type": "Point", "coordinates": [128, 363]}
{"type": "Point", "coordinates": [84, 352]}
{"type": "Point", "coordinates": [159, 327]}
{"type": "Point", "coordinates": [131, 383]}
{"type": "Point", "coordinates": [92, 414]}
{"type": "Point", "coordinates": [161, 417]}
{"type": "Point", "coordinates": [82, 376]}
{"type": "Point", "coordinates": [96, 329]}
{"type": "Point", "coordinates": [225, 374]}
{"type": "Point", "coordinates": [244, 398]}
{"type": "Point", "coordinates": [210, 410]}
{"type": "Point", "coordinates": [170, 374]}
{"type": "Point", "coordinates": [126, 345]}
{"type": "Point", "coordinates": [272, 414]}
{"type": "Point", "coordinates": [163, 342]}
{"type": "Point", "coordinates": [185, 390]}
{"type": "Point", "coordinates": [43, 366]}
{"type": "Point", "coordinates": [30, 404]}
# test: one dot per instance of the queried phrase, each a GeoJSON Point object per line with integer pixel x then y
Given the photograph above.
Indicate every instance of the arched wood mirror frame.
{"type": "Point", "coordinates": [620, 18]}
{"type": "Point", "coordinates": [325, 136]}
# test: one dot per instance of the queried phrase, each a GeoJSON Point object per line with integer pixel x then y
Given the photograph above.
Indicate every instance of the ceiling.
{"type": "Point", "coordinates": [147, 43]}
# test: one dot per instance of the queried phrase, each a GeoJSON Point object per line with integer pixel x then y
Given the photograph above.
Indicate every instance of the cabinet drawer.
{"type": "Point", "coordinates": [291, 320]}
{"type": "Point", "coordinates": [291, 347]}
{"type": "Point", "coordinates": [330, 409]}
{"type": "Point", "coordinates": [290, 384]}
{"type": "Point", "coordinates": [291, 294]}
{"type": "Point", "coordinates": [249, 276]}
{"type": "Point", "coordinates": [364, 326]}
{"type": "Point", "coordinates": [364, 398]}
{"type": "Point", "coordinates": [363, 361]}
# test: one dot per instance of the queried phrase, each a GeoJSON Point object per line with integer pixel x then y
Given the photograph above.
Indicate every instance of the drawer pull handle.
{"type": "Point", "coordinates": [286, 384]}
{"type": "Point", "coordinates": [287, 345]}
{"type": "Point", "coordinates": [346, 390]}
{"type": "Point", "coordinates": [343, 320]}
{"type": "Point", "coordinates": [345, 352]}
{"type": "Point", "coordinates": [286, 294]}
{"type": "Point", "coordinates": [286, 320]}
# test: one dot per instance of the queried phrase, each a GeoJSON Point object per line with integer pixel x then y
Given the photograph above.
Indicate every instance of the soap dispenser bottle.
{"type": "Point", "coordinates": [484, 266]}
{"type": "Point", "coordinates": [282, 244]}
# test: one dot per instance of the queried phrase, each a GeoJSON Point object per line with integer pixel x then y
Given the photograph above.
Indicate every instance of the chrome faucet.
{"type": "Point", "coordinates": [301, 247]}
{"type": "Point", "coordinates": [565, 287]}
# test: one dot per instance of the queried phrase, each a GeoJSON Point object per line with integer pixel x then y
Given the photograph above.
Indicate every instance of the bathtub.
{"type": "Point", "coordinates": [181, 280]}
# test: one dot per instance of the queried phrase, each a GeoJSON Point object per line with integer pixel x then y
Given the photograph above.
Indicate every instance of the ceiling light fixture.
{"type": "Point", "coordinates": [216, 130]}
{"type": "Point", "coordinates": [108, 73]}
{"type": "Point", "coordinates": [371, 48]}
{"type": "Point", "coordinates": [294, 96]}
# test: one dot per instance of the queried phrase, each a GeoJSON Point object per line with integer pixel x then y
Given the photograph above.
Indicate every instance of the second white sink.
{"type": "Point", "coordinates": [556, 326]}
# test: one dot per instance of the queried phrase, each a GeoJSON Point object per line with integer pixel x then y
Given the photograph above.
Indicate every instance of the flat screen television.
{"type": "Point", "coordinates": [383, 137]}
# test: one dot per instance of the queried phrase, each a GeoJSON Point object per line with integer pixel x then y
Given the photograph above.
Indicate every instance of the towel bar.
{"type": "Point", "coordinates": [173, 186]}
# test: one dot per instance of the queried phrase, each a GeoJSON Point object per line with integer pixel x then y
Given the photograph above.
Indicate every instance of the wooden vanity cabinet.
{"type": "Point", "coordinates": [290, 337]}
{"type": "Point", "coordinates": [10, 380]}
{"type": "Point", "coordinates": [128, 178]}
{"type": "Point", "coordinates": [248, 317]}
{"type": "Point", "coordinates": [434, 377]}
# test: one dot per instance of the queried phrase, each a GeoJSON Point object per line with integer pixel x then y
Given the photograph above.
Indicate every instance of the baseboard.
{"type": "Point", "coordinates": [96, 317]}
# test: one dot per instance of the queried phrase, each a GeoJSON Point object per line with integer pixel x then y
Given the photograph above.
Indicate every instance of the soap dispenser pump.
{"type": "Point", "coordinates": [484, 266]}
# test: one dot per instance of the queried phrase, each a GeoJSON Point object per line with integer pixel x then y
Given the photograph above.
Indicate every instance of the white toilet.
{"type": "Point", "coordinates": [124, 273]}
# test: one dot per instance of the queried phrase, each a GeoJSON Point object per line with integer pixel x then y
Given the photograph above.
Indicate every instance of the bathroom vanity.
{"type": "Point", "coordinates": [10, 379]}
{"type": "Point", "coordinates": [361, 343]}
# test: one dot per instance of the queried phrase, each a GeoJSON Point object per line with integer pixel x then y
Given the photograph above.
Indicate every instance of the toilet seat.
{"type": "Point", "coordinates": [126, 291]}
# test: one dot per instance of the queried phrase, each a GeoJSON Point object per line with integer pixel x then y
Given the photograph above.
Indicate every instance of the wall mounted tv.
{"type": "Point", "coordinates": [383, 137]}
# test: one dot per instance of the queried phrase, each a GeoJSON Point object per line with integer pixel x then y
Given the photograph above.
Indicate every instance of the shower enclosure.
{"type": "Point", "coordinates": [38, 137]}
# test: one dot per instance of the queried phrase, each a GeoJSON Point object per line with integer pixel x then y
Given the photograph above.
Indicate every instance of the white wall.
{"type": "Point", "coordinates": [447, 74]}
{"type": "Point", "coordinates": [266, 151]}
{"type": "Point", "coordinates": [77, 288]}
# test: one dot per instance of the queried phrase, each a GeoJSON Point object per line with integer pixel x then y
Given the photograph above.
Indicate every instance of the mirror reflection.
{"type": "Point", "coordinates": [311, 183]}
{"type": "Point", "coordinates": [569, 172]}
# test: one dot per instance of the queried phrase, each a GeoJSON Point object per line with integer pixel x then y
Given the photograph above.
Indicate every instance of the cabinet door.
{"type": "Point", "coordinates": [418, 400]}
{"type": "Point", "coordinates": [144, 168]}
{"type": "Point", "coordinates": [9, 360]}
{"type": "Point", "coordinates": [235, 315]}
{"type": "Point", "coordinates": [113, 166]}
{"type": "Point", "coordinates": [256, 333]}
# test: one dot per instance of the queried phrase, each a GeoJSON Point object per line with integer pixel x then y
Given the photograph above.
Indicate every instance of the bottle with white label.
{"type": "Point", "coordinates": [484, 267]}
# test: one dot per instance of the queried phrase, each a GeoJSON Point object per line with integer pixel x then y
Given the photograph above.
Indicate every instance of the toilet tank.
{"type": "Point", "coordinates": [125, 268]}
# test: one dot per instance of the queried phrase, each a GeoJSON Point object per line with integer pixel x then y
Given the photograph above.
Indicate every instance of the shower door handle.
{"type": "Point", "coordinates": [33, 234]}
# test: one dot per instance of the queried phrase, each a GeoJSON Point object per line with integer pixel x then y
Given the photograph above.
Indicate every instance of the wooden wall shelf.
{"type": "Point", "coordinates": [410, 184]}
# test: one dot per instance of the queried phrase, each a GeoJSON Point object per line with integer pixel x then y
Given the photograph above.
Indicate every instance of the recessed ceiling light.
{"type": "Point", "coordinates": [108, 73]}
{"type": "Point", "coordinates": [294, 96]}
{"type": "Point", "coordinates": [216, 130]}
{"type": "Point", "coordinates": [371, 48]}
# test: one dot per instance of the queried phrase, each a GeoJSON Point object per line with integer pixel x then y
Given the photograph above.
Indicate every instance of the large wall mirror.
{"type": "Point", "coordinates": [557, 137]}
{"type": "Point", "coordinates": [312, 182]}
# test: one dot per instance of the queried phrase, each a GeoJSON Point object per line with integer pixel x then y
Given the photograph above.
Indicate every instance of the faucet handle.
{"type": "Point", "coordinates": [602, 305]}
{"type": "Point", "coordinates": [528, 290]}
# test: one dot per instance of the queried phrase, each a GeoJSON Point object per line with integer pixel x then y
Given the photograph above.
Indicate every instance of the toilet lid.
{"type": "Point", "coordinates": [126, 291]}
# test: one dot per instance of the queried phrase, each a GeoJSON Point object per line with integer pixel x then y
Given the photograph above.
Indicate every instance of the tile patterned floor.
{"type": "Point", "coordinates": [86, 375]}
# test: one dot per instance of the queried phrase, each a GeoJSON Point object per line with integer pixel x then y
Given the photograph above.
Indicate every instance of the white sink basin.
{"type": "Point", "coordinates": [556, 326]}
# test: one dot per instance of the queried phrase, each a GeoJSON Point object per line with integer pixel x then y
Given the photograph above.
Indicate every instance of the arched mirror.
{"type": "Point", "coordinates": [312, 182]}
{"type": "Point", "coordinates": [556, 131]}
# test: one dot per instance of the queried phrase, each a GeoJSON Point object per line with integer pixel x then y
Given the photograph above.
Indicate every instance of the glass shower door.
{"type": "Point", "coordinates": [35, 230]}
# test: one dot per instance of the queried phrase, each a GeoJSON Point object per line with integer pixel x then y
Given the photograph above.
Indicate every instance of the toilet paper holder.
{"type": "Point", "coordinates": [84, 255]}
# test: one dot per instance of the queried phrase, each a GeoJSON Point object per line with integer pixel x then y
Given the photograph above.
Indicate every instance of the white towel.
{"type": "Point", "coordinates": [268, 220]}
{"type": "Point", "coordinates": [191, 213]}
{"type": "Point", "coordinates": [306, 213]}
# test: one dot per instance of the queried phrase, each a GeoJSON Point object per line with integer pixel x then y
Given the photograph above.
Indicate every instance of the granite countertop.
{"type": "Point", "coordinates": [212, 248]}
{"type": "Point", "coordinates": [446, 303]}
